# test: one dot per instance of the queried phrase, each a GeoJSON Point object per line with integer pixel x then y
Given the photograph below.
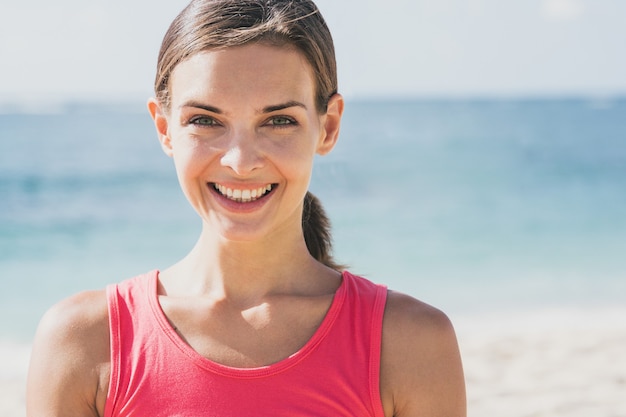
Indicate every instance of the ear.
{"type": "Point", "coordinates": [332, 123]}
{"type": "Point", "coordinates": [161, 124]}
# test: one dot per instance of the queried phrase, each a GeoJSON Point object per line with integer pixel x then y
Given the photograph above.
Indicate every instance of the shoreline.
{"type": "Point", "coordinates": [551, 362]}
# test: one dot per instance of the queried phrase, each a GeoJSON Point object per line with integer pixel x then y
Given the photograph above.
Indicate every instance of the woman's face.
{"type": "Point", "coordinates": [243, 131]}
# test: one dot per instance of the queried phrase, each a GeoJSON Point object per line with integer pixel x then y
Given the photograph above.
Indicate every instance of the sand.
{"type": "Point", "coordinates": [545, 364]}
{"type": "Point", "coordinates": [565, 363]}
{"type": "Point", "coordinates": [13, 366]}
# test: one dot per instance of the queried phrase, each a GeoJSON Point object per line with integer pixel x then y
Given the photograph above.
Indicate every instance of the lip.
{"type": "Point", "coordinates": [241, 199]}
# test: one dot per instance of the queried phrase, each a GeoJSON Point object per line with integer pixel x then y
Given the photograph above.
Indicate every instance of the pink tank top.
{"type": "Point", "coordinates": [155, 373]}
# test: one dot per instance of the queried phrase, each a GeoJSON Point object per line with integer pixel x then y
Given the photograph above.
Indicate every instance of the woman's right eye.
{"type": "Point", "coordinates": [205, 121]}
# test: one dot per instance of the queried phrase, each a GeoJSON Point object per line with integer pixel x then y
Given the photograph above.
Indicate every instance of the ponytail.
{"type": "Point", "coordinates": [316, 227]}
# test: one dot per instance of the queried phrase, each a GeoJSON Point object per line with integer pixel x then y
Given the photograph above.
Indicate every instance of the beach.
{"type": "Point", "coordinates": [13, 368]}
{"type": "Point", "coordinates": [553, 363]}
{"type": "Point", "coordinates": [506, 214]}
{"type": "Point", "coordinates": [549, 363]}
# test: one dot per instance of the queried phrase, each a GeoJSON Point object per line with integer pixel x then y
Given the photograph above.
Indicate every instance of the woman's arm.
{"type": "Point", "coordinates": [421, 371]}
{"type": "Point", "coordinates": [70, 366]}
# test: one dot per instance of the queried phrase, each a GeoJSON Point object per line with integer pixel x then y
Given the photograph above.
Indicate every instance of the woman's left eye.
{"type": "Point", "coordinates": [282, 121]}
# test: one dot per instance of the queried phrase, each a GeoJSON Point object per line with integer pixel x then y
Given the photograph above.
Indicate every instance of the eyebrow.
{"type": "Point", "coordinates": [283, 106]}
{"type": "Point", "coordinates": [199, 105]}
{"type": "Point", "coordinates": [267, 109]}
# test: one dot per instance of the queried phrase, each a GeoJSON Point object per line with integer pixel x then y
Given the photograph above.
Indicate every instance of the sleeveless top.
{"type": "Point", "coordinates": [155, 373]}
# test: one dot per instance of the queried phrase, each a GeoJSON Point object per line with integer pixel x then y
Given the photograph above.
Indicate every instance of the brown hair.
{"type": "Point", "coordinates": [317, 236]}
{"type": "Point", "coordinates": [216, 24]}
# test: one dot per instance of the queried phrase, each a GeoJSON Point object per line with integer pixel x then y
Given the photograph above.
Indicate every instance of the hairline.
{"type": "Point", "coordinates": [272, 40]}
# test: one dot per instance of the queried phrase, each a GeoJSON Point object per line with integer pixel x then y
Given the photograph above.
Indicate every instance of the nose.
{"type": "Point", "coordinates": [242, 154]}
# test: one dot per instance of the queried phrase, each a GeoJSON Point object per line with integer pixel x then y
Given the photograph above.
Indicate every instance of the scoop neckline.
{"type": "Point", "coordinates": [256, 372]}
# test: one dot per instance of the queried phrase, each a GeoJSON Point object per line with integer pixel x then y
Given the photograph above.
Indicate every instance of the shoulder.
{"type": "Point", "coordinates": [405, 317]}
{"type": "Point", "coordinates": [421, 371]}
{"type": "Point", "coordinates": [70, 357]}
{"type": "Point", "coordinates": [75, 320]}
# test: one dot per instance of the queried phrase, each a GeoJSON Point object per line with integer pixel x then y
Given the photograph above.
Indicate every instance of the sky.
{"type": "Point", "coordinates": [106, 49]}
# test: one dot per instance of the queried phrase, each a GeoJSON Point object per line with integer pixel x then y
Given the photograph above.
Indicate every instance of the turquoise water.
{"type": "Point", "coordinates": [469, 205]}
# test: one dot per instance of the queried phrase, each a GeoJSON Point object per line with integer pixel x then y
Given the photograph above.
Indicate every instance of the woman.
{"type": "Point", "coordinates": [257, 319]}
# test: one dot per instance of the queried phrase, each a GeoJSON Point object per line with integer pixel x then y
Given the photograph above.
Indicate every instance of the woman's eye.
{"type": "Point", "coordinates": [281, 121]}
{"type": "Point", "coordinates": [203, 121]}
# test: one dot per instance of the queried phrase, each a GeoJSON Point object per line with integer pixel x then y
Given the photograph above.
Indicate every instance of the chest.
{"type": "Point", "coordinates": [246, 338]}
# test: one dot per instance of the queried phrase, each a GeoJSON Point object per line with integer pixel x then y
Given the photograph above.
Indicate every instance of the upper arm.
{"type": "Point", "coordinates": [68, 371]}
{"type": "Point", "coordinates": [421, 371]}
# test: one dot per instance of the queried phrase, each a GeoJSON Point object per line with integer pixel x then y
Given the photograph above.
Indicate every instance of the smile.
{"type": "Point", "coordinates": [242, 195]}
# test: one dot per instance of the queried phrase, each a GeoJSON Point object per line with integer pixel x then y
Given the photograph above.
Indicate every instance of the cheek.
{"type": "Point", "coordinates": [298, 170]}
{"type": "Point", "coordinates": [302, 145]}
{"type": "Point", "coordinates": [189, 163]}
{"type": "Point", "coordinates": [295, 158]}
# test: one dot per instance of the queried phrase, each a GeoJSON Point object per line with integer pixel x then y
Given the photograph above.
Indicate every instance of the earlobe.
{"type": "Point", "coordinates": [332, 124]}
{"type": "Point", "coordinates": [161, 124]}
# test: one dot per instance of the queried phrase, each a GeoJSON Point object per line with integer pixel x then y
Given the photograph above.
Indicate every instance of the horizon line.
{"type": "Point", "coordinates": [127, 104]}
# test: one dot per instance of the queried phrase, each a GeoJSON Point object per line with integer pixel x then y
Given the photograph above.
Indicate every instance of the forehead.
{"type": "Point", "coordinates": [254, 72]}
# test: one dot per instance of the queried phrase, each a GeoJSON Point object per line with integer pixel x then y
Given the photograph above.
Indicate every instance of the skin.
{"type": "Point", "coordinates": [245, 118]}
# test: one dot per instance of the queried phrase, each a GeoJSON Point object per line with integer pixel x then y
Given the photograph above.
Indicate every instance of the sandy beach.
{"type": "Point", "coordinates": [13, 367]}
{"type": "Point", "coordinates": [545, 364]}
{"type": "Point", "coordinates": [540, 364]}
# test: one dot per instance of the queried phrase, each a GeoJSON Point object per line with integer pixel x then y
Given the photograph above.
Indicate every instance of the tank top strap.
{"type": "Point", "coordinates": [364, 309]}
{"type": "Point", "coordinates": [129, 329]}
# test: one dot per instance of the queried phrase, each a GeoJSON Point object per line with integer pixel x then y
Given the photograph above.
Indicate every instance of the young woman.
{"type": "Point", "coordinates": [257, 319]}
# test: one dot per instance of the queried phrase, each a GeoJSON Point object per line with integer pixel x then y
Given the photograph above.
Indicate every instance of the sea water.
{"type": "Point", "coordinates": [470, 205]}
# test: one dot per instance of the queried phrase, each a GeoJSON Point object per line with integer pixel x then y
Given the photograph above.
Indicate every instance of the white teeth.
{"type": "Point", "coordinates": [243, 196]}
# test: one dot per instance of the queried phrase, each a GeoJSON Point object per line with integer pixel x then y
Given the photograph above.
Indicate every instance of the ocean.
{"type": "Point", "coordinates": [470, 205]}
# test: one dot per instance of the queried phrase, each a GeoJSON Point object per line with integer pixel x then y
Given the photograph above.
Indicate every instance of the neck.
{"type": "Point", "coordinates": [220, 268]}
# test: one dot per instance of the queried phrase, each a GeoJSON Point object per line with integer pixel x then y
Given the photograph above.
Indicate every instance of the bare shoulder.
{"type": "Point", "coordinates": [69, 366]}
{"type": "Point", "coordinates": [84, 309]}
{"type": "Point", "coordinates": [75, 323]}
{"type": "Point", "coordinates": [421, 371]}
{"type": "Point", "coordinates": [404, 312]}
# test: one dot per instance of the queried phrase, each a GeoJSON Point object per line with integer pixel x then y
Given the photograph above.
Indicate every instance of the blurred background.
{"type": "Point", "coordinates": [481, 167]}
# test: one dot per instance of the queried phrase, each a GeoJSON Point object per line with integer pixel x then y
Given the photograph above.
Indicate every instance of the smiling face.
{"type": "Point", "coordinates": [243, 130]}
